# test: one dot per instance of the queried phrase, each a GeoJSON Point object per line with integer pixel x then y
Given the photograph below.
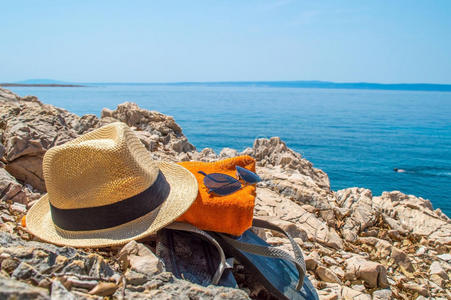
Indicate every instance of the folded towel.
{"type": "Point", "coordinates": [228, 214]}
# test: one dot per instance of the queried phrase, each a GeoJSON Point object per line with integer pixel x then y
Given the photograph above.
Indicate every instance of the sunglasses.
{"type": "Point", "coordinates": [222, 184]}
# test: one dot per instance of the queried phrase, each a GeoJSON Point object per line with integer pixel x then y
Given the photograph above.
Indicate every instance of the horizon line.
{"type": "Point", "coordinates": [228, 81]}
{"type": "Point", "coordinates": [273, 83]}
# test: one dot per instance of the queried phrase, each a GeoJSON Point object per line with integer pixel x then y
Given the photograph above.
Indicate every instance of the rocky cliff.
{"type": "Point", "coordinates": [357, 245]}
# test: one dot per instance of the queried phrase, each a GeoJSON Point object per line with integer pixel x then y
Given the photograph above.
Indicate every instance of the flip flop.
{"type": "Point", "coordinates": [281, 274]}
{"type": "Point", "coordinates": [194, 255]}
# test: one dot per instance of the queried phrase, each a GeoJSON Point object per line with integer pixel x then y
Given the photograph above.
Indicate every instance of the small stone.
{"type": "Point", "coordinates": [135, 248]}
{"type": "Point", "coordinates": [327, 275]}
{"type": "Point", "coordinates": [438, 280]}
{"type": "Point", "coordinates": [228, 152]}
{"type": "Point", "coordinates": [24, 271]}
{"type": "Point", "coordinates": [116, 277]}
{"type": "Point", "coordinates": [309, 208]}
{"type": "Point", "coordinates": [45, 283]}
{"type": "Point", "coordinates": [290, 227]}
{"type": "Point", "coordinates": [394, 235]}
{"type": "Point", "coordinates": [445, 257]}
{"type": "Point", "coordinates": [60, 260]}
{"type": "Point", "coordinates": [106, 112]}
{"type": "Point", "coordinates": [338, 271]}
{"type": "Point", "coordinates": [21, 252]}
{"type": "Point", "coordinates": [183, 156]}
{"type": "Point", "coordinates": [76, 267]}
{"type": "Point", "coordinates": [402, 259]}
{"type": "Point", "coordinates": [73, 281]}
{"type": "Point", "coordinates": [437, 269]}
{"type": "Point", "coordinates": [329, 261]}
{"type": "Point", "coordinates": [9, 264]}
{"type": "Point", "coordinates": [359, 287]}
{"type": "Point", "coordinates": [311, 263]}
{"type": "Point", "coordinates": [299, 241]}
{"type": "Point", "coordinates": [370, 233]}
{"type": "Point", "coordinates": [135, 278]}
{"type": "Point", "coordinates": [104, 289]}
{"type": "Point", "coordinates": [99, 268]}
{"type": "Point", "coordinates": [59, 292]}
{"type": "Point", "coordinates": [13, 289]}
{"type": "Point", "coordinates": [8, 218]}
{"type": "Point", "coordinates": [421, 250]}
{"type": "Point", "coordinates": [328, 296]}
{"type": "Point", "coordinates": [84, 296]}
{"type": "Point", "coordinates": [275, 241]}
{"type": "Point", "coordinates": [2, 150]}
{"type": "Point", "coordinates": [140, 258]}
{"type": "Point", "coordinates": [18, 207]}
{"type": "Point", "coordinates": [149, 264]}
{"type": "Point", "coordinates": [420, 289]}
{"type": "Point", "coordinates": [348, 293]}
{"type": "Point", "coordinates": [372, 273]}
{"type": "Point", "coordinates": [384, 294]}
{"type": "Point", "coordinates": [433, 287]}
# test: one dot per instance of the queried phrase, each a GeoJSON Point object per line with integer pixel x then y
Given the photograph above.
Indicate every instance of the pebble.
{"type": "Point", "coordinates": [327, 275]}
{"type": "Point", "coordinates": [18, 207]}
{"type": "Point", "coordinates": [9, 264]}
{"type": "Point", "coordinates": [384, 294]}
{"type": "Point", "coordinates": [329, 260]}
{"type": "Point", "coordinates": [339, 271]}
{"type": "Point", "coordinates": [59, 292]}
{"type": "Point", "coordinates": [420, 289]}
{"type": "Point", "coordinates": [358, 287]}
{"type": "Point", "coordinates": [311, 262]}
{"type": "Point", "coordinates": [421, 250]}
{"type": "Point", "coordinates": [445, 257]}
{"type": "Point", "coordinates": [437, 269]}
{"type": "Point", "coordinates": [7, 218]}
{"type": "Point", "coordinates": [104, 289]}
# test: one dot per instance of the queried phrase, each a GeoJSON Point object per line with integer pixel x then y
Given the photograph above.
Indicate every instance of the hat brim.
{"type": "Point", "coordinates": [183, 192]}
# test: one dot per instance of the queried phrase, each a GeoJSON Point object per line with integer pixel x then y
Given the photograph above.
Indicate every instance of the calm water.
{"type": "Point", "coordinates": [356, 136]}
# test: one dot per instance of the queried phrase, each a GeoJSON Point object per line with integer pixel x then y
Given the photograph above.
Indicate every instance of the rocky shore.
{"type": "Point", "coordinates": [357, 245]}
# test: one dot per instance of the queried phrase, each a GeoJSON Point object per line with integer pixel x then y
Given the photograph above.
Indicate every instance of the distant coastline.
{"type": "Point", "coordinates": [433, 87]}
{"type": "Point", "coordinates": [329, 85]}
{"type": "Point", "coordinates": [39, 85]}
{"type": "Point", "coordinates": [301, 84]}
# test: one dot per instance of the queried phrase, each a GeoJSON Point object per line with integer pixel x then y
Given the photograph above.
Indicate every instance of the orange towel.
{"type": "Point", "coordinates": [228, 214]}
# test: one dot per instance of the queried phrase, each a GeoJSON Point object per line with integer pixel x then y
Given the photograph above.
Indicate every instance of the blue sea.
{"type": "Point", "coordinates": [357, 136]}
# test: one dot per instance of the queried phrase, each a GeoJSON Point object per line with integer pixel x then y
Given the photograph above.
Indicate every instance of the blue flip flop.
{"type": "Point", "coordinates": [282, 275]}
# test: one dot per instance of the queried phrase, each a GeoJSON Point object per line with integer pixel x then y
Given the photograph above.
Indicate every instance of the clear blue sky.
{"type": "Point", "coordinates": [163, 41]}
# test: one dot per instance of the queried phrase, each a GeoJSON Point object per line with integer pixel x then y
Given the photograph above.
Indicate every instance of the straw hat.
{"type": "Point", "coordinates": [103, 189]}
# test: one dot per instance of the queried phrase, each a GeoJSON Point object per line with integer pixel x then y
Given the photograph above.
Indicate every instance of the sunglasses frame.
{"type": "Point", "coordinates": [231, 180]}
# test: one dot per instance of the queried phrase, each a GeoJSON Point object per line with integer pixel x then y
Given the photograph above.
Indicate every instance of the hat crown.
{"type": "Point", "coordinates": [101, 167]}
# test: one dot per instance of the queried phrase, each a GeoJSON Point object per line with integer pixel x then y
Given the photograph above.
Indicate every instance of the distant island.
{"type": "Point", "coordinates": [39, 85]}
{"type": "Point", "coordinates": [277, 84]}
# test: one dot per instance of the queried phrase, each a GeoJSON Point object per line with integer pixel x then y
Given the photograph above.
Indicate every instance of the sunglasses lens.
{"type": "Point", "coordinates": [221, 184]}
{"type": "Point", "coordinates": [227, 189]}
{"type": "Point", "coordinates": [248, 176]}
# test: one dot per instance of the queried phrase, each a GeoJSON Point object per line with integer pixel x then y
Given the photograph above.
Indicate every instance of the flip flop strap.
{"type": "Point", "coordinates": [223, 264]}
{"type": "Point", "coordinates": [296, 249]}
{"type": "Point", "coordinates": [273, 252]}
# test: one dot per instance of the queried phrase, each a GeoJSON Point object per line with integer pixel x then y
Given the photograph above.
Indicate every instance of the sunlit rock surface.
{"type": "Point", "coordinates": [356, 245]}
